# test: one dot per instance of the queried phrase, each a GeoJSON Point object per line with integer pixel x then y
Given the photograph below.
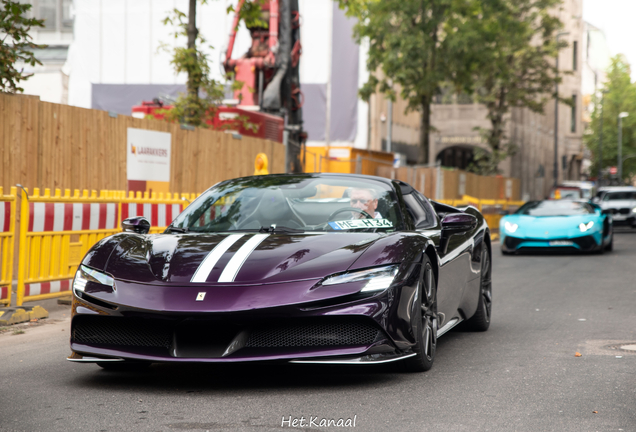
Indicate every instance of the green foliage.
{"type": "Point", "coordinates": [251, 14]}
{"type": "Point", "coordinates": [15, 44]}
{"type": "Point", "coordinates": [204, 93]}
{"type": "Point", "coordinates": [407, 44]}
{"type": "Point", "coordinates": [509, 48]}
{"type": "Point", "coordinates": [620, 97]}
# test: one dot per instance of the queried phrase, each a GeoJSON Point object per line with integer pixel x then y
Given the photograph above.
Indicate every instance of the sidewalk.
{"type": "Point", "coordinates": [57, 312]}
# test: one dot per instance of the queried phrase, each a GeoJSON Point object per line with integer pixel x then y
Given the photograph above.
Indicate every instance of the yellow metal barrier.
{"type": "Point", "coordinates": [491, 209]}
{"type": "Point", "coordinates": [57, 230]}
{"type": "Point", "coordinates": [7, 241]}
{"type": "Point", "coordinates": [159, 208]}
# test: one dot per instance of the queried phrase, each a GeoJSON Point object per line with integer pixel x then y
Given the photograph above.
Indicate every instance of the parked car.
{"type": "Point", "coordinates": [557, 224]}
{"type": "Point", "coordinates": [566, 193]}
{"type": "Point", "coordinates": [620, 201]}
{"type": "Point", "coordinates": [588, 189]}
{"type": "Point", "coordinates": [307, 268]}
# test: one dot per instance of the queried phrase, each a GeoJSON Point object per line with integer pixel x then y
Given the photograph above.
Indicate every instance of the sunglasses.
{"type": "Point", "coordinates": [361, 201]}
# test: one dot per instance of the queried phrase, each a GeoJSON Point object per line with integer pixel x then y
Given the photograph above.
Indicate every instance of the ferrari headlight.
{"type": "Point", "coordinates": [85, 275]}
{"type": "Point", "coordinates": [584, 227]}
{"type": "Point", "coordinates": [511, 227]}
{"type": "Point", "coordinates": [379, 278]}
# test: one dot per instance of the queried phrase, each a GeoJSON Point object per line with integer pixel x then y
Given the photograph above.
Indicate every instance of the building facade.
{"type": "Point", "coordinates": [456, 117]}
{"type": "Point", "coordinates": [49, 80]}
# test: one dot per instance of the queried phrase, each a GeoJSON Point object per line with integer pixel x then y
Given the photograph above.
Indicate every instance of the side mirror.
{"type": "Point", "coordinates": [454, 223]}
{"type": "Point", "coordinates": [138, 224]}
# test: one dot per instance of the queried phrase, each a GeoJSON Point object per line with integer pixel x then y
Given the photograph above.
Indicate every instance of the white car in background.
{"type": "Point", "coordinates": [620, 201]}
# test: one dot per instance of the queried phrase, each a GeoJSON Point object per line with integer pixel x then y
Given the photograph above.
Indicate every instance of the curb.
{"type": "Point", "coordinates": [15, 315]}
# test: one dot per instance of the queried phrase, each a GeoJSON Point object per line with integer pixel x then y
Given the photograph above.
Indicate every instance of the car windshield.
{"type": "Point", "coordinates": [619, 196]}
{"type": "Point", "coordinates": [555, 208]}
{"type": "Point", "coordinates": [287, 203]}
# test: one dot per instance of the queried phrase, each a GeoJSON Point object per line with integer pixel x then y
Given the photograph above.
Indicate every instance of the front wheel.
{"type": "Point", "coordinates": [425, 329]}
{"type": "Point", "coordinates": [610, 245]}
{"type": "Point", "coordinates": [481, 320]}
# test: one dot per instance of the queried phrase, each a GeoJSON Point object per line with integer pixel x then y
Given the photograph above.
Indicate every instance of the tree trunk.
{"type": "Point", "coordinates": [193, 87]}
{"type": "Point", "coordinates": [425, 128]}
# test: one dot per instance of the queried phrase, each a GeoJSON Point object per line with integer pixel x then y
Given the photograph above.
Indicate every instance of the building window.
{"type": "Point", "coordinates": [573, 118]}
{"type": "Point", "coordinates": [55, 13]}
{"type": "Point", "coordinates": [575, 50]}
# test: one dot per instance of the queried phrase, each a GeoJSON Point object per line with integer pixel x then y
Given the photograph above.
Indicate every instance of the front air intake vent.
{"type": "Point", "coordinates": [115, 331]}
{"type": "Point", "coordinates": [313, 335]}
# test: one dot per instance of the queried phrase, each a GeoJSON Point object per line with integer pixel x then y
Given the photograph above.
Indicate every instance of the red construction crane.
{"type": "Point", "coordinates": [270, 96]}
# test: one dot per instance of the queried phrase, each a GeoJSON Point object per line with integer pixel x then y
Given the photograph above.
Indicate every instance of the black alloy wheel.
{"type": "Point", "coordinates": [425, 330]}
{"type": "Point", "coordinates": [481, 320]}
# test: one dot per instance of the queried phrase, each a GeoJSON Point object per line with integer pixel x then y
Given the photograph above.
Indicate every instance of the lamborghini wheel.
{"type": "Point", "coordinates": [425, 330]}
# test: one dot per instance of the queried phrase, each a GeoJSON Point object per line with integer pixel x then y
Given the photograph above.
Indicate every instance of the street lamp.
{"type": "Point", "coordinates": [600, 142]}
{"type": "Point", "coordinates": [621, 116]}
{"type": "Point", "coordinates": [556, 112]}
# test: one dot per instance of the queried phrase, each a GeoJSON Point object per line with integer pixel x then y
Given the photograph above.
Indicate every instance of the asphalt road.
{"type": "Point", "coordinates": [521, 375]}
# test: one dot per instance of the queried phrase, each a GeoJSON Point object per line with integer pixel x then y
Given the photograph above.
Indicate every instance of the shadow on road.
{"type": "Point", "coordinates": [198, 377]}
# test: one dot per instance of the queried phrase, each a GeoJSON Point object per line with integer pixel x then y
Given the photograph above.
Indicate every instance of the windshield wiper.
{"type": "Point", "coordinates": [178, 230]}
{"type": "Point", "coordinates": [281, 229]}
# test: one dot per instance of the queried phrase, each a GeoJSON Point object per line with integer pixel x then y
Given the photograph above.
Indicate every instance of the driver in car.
{"type": "Point", "coordinates": [364, 199]}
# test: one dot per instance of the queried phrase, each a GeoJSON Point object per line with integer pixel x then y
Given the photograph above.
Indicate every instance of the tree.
{"type": "Point", "coordinates": [203, 92]}
{"type": "Point", "coordinates": [620, 96]}
{"type": "Point", "coordinates": [510, 47]}
{"type": "Point", "coordinates": [16, 44]}
{"type": "Point", "coordinates": [407, 42]}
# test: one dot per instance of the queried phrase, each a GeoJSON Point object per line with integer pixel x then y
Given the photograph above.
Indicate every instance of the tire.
{"type": "Point", "coordinates": [124, 366]}
{"type": "Point", "coordinates": [610, 246]}
{"type": "Point", "coordinates": [480, 321]}
{"type": "Point", "coordinates": [425, 330]}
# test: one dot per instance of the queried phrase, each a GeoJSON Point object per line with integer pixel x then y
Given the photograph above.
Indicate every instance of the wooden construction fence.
{"type": "Point", "coordinates": [451, 184]}
{"type": "Point", "coordinates": [50, 145]}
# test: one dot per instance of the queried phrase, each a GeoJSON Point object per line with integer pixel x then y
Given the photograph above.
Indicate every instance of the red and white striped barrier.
{"type": "Point", "coordinates": [159, 215]}
{"type": "Point", "coordinates": [5, 216]}
{"type": "Point", "coordinates": [46, 217]}
{"type": "Point", "coordinates": [34, 289]}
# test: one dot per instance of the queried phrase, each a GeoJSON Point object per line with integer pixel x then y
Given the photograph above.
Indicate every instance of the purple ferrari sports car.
{"type": "Point", "coordinates": [302, 268]}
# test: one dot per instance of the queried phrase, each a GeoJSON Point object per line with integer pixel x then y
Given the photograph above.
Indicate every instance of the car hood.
{"type": "Point", "coordinates": [546, 227]}
{"type": "Point", "coordinates": [174, 259]}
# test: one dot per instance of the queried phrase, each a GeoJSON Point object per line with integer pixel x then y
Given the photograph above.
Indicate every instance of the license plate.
{"type": "Point", "coordinates": [561, 243]}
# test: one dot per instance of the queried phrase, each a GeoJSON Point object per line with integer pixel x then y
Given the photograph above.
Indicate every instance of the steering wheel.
{"type": "Point", "coordinates": [350, 209]}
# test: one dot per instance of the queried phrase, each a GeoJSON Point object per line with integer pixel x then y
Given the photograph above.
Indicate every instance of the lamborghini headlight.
{"type": "Point", "coordinates": [85, 274]}
{"type": "Point", "coordinates": [379, 278]}
{"type": "Point", "coordinates": [584, 227]}
{"type": "Point", "coordinates": [511, 227]}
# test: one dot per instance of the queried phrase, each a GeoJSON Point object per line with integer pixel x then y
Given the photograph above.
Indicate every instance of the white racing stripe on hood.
{"type": "Point", "coordinates": [208, 263]}
{"type": "Point", "coordinates": [232, 268]}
